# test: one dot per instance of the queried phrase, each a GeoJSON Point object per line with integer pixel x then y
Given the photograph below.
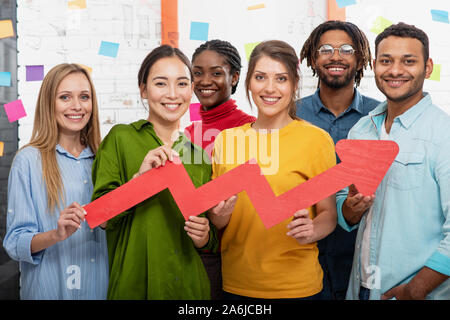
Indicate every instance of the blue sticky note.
{"type": "Point", "coordinates": [5, 79]}
{"type": "Point", "coordinates": [344, 3]}
{"type": "Point", "coordinates": [108, 49]}
{"type": "Point", "coordinates": [440, 15]}
{"type": "Point", "coordinates": [199, 31]}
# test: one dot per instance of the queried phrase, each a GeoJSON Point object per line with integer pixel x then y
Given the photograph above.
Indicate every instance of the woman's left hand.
{"type": "Point", "coordinates": [301, 227]}
{"type": "Point", "coordinates": [197, 229]}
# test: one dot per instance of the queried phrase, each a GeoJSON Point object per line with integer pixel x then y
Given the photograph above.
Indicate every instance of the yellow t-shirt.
{"type": "Point", "coordinates": [266, 263]}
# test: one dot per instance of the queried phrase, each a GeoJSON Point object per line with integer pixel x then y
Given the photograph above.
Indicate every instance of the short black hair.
{"type": "Point", "coordinates": [363, 55]}
{"type": "Point", "coordinates": [404, 30]}
{"type": "Point", "coordinates": [226, 50]}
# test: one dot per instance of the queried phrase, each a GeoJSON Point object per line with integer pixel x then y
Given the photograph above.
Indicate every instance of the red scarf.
{"type": "Point", "coordinates": [225, 116]}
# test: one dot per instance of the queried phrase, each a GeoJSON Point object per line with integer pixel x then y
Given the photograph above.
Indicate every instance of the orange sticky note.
{"type": "Point", "coordinates": [6, 29]}
{"type": "Point", "coordinates": [1, 148]}
{"type": "Point", "coordinates": [77, 4]}
{"type": "Point", "coordinates": [256, 6]}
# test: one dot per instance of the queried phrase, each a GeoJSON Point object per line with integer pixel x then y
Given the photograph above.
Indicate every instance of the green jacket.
{"type": "Point", "coordinates": [150, 254]}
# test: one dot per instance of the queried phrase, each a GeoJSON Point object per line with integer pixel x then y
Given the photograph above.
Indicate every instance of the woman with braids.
{"type": "Point", "coordinates": [49, 181]}
{"type": "Point", "coordinates": [216, 65]}
{"type": "Point", "coordinates": [337, 52]}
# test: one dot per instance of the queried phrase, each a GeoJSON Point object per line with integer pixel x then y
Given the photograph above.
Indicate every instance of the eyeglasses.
{"type": "Point", "coordinates": [345, 51]}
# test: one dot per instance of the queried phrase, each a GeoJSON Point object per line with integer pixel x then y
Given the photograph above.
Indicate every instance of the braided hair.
{"type": "Point", "coordinates": [226, 50]}
{"type": "Point", "coordinates": [363, 55]}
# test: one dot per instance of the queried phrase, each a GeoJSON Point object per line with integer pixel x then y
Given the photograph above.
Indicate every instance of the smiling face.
{"type": "Point", "coordinates": [73, 104]}
{"type": "Point", "coordinates": [212, 78]}
{"type": "Point", "coordinates": [400, 69]}
{"type": "Point", "coordinates": [335, 71]}
{"type": "Point", "coordinates": [271, 89]}
{"type": "Point", "coordinates": [168, 90]}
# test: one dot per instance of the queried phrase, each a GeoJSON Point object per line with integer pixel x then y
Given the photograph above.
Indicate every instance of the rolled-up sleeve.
{"type": "Point", "coordinates": [440, 259]}
{"type": "Point", "coordinates": [22, 221]}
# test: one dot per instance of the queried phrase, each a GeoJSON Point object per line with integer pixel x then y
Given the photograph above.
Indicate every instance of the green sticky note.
{"type": "Point", "coordinates": [249, 48]}
{"type": "Point", "coordinates": [380, 24]}
{"type": "Point", "coordinates": [436, 74]}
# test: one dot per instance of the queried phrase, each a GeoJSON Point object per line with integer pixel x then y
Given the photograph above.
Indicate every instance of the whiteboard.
{"type": "Point", "coordinates": [288, 20]}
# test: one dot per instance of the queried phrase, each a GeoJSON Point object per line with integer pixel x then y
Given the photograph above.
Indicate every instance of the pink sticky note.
{"type": "Point", "coordinates": [194, 111]}
{"type": "Point", "coordinates": [15, 110]}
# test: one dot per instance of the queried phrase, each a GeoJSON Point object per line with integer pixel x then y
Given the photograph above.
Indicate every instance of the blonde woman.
{"type": "Point", "coordinates": [49, 181]}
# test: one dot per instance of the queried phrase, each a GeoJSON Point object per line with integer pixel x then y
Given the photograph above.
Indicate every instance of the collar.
{"type": "Point", "coordinates": [86, 153]}
{"type": "Point", "coordinates": [221, 111]}
{"type": "Point", "coordinates": [355, 105]}
{"type": "Point", "coordinates": [409, 116]}
{"type": "Point", "coordinates": [182, 139]}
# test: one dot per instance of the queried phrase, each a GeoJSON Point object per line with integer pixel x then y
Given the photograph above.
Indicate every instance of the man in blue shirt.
{"type": "Point", "coordinates": [338, 52]}
{"type": "Point", "coordinates": [403, 241]}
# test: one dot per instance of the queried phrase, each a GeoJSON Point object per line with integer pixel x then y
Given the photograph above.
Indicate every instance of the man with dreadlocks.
{"type": "Point", "coordinates": [337, 52]}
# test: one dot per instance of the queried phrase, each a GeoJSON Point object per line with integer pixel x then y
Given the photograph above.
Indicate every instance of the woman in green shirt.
{"type": "Point", "coordinates": [152, 250]}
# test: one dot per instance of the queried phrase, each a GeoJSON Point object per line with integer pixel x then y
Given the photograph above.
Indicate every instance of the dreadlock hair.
{"type": "Point", "coordinates": [362, 50]}
{"type": "Point", "coordinates": [226, 50]}
{"type": "Point", "coordinates": [404, 30]}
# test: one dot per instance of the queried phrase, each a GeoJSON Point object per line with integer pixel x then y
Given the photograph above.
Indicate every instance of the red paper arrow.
{"type": "Point", "coordinates": [364, 164]}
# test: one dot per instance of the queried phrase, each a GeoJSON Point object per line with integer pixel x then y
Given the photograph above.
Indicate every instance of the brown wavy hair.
{"type": "Point", "coordinates": [283, 53]}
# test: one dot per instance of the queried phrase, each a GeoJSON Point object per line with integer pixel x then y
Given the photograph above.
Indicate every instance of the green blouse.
{"type": "Point", "coordinates": [150, 254]}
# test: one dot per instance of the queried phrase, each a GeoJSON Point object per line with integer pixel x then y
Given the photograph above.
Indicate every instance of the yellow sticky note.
{"type": "Point", "coordinates": [380, 24]}
{"type": "Point", "coordinates": [257, 6]}
{"type": "Point", "coordinates": [249, 48]}
{"type": "Point", "coordinates": [1, 148]}
{"type": "Point", "coordinates": [77, 4]}
{"type": "Point", "coordinates": [88, 69]}
{"type": "Point", "coordinates": [436, 74]}
{"type": "Point", "coordinates": [6, 29]}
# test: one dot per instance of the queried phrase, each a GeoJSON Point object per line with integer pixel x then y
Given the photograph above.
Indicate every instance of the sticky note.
{"type": "Point", "coordinates": [380, 24]}
{"type": "Point", "coordinates": [249, 48]}
{"type": "Point", "coordinates": [15, 110]}
{"type": "Point", "coordinates": [6, 29]}
{"type": "Point", "coordinates": [88, 69]}
{"type": "Point", "coordinates": [436, 74]}
{"type": "Point", "coordinates": [345, 3]}
{"type": "Point", "coordinates": [194, 111]}
{"type": "Point", "coordinates": [1, 148]}
{"type": "Point", "coordinates": [108, 49]}
{"type": "Point", "coordinates": [199, 31]}
{"type": "Point", "coordinates": [5, 79]}
{"type": "Point", "coordinates": [77, 4]}
{"type": "Point", "coordinates": [256, 6]}
{"type": "Point", "coordinates": [440, 16]}
{"type": "Point", "coordinates": [34, 73]}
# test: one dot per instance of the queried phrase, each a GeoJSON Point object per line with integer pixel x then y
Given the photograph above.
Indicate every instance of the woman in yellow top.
{"type": "Point", "coordinates": [280, 262]}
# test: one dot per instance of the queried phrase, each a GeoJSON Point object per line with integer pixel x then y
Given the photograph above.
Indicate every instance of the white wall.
{"type": "Point", "coordinates": [49, 33]}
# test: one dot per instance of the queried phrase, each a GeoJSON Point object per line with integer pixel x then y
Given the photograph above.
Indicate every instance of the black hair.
{"type": "Point", "coordinates": [363, 55]}
{"type": "Point", "coordinates": [226, 50]}
{"type": "Point", "coordinates": [404, 30]}
{"type": "Point", "coordinates": [160, 52]}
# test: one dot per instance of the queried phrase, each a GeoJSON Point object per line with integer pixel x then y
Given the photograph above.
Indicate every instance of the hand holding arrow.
{"type": "Point", "coordinates": [364, 164]}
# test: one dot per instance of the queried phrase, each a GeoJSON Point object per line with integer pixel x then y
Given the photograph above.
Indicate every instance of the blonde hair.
{"type": "Point", "coordinates": [45, 129]}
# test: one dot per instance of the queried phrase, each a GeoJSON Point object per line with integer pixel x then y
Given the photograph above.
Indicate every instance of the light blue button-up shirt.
{"type": "Point", "coordinates": [411, 213]}
{"type": "Point", "coordinates": [75, 268]}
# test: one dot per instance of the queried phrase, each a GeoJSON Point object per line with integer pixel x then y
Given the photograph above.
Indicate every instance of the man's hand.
{"type": "Point", "coordinates": [355, 205]}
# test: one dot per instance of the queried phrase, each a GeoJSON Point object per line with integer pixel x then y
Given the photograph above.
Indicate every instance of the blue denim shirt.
{"type": "Point", "coordinates": [410, 225]}
{"type": "Point", "coordinates": [75, 268]}
{"type": "Point", "coordinates": [336, 250]}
